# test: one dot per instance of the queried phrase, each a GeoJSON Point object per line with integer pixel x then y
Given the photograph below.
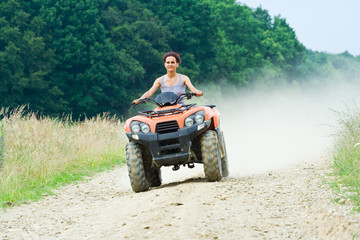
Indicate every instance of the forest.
{"type": "Point", "coordinates": [87, 57]}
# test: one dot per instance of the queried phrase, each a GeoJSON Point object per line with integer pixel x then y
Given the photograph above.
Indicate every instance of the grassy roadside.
{"type": "Point", "coordinates": [39, 154]}
{"type": "Point", "coordinates": [346, 166]}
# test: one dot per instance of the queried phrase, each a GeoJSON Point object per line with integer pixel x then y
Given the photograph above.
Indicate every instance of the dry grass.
{"type": "Point", "coordinates": [41, 153]}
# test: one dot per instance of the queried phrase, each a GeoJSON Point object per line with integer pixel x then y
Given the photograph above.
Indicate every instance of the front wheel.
{"type": "Point", "coordinates": [136, 169]}
{"type": "Point", "coordinates": [211, 156]}
{"type": "Point", "coordinates": [153, 175]}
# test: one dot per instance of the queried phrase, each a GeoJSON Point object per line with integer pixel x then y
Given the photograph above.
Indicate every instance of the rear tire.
{"type": "Point", "coordinates": [224, 159]}
{"type": "Point", "coordinates": [211, 157]}
{"type": "Point", "coordinates": [136, 169]}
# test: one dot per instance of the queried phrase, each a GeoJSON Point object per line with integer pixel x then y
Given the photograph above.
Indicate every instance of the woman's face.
{"type": "Point", "coordinates": [171, 64]}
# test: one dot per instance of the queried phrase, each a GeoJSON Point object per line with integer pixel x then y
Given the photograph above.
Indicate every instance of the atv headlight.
{"type": "Point", "coordinates": [135, 128]}
{"type": "Point", "coordinates": [145, 128]}
{"type": "Point", "coordinates": [199, 118]}
{"type": "Point", "coordinates": [189, 122]}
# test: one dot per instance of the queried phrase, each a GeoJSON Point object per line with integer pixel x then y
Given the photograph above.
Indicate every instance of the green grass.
{"type": "Point", "coordinates": [346, 165]}
{"type": "Point", "coordinates": [40, 154]}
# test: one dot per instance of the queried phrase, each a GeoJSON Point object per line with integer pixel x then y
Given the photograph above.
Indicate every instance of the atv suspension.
{"type": "Point", "coordinates": [177, 166]}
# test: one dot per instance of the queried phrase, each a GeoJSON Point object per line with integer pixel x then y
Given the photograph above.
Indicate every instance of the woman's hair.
{"type": "Point", "coordinates": [172, 54]}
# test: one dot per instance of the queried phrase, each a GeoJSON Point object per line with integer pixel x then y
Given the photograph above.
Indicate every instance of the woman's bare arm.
{"type": "Point", "coordinates": [188, 83]}
{"type": "Point", "coordinates": [151, 91]}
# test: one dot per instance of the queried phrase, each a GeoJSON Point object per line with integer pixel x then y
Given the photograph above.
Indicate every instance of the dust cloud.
{"type": "Point", "coordinates": [269, 130]}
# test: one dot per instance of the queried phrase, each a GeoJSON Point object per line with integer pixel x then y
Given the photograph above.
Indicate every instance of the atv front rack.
{"type": "Point", "coordinates": [153, 113]}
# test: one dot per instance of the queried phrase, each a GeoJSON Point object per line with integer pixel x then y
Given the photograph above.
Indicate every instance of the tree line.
{"type": "Point", "coordinates": [84, 57]}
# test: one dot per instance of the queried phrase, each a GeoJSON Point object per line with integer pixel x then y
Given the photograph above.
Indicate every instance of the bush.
{"type": "Point", "coordinates": [346, 166]}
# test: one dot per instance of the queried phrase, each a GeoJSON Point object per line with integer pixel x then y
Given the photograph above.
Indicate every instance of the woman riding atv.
{"type": "Point", "coordinates": [173, 134]}
{"type": "Point", "coordinates": [172, 81]}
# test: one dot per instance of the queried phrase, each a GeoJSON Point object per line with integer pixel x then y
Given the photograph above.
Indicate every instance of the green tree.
{"type": "Point", "coordinates": [141, 38]}
{"type": "Point", "coordinates": [91, 72]}
{"type": "Point", "coordinates": [91, 56]}
{"type": "Point", "coordinates": [25, 60]}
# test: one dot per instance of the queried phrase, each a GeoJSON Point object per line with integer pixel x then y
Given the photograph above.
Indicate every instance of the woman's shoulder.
{"type": "Point", "coordinates": [158, 80]}
{"type": "Point", "coordinates": [184, 78]}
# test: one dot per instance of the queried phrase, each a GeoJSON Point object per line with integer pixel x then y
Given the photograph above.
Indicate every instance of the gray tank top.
{"type": "Point", "coordinates": [178, 89]}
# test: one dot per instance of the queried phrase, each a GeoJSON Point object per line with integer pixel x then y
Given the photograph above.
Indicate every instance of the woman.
{"type": "Point", "coordinates": [171, 81]}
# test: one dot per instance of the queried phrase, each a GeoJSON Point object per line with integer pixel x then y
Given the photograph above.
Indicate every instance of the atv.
{"type": "Point", "coordinates": [174, 134]}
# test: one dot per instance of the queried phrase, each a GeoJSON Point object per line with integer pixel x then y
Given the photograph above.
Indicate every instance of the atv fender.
{"type": "Point", "coordinates": [213, 114]}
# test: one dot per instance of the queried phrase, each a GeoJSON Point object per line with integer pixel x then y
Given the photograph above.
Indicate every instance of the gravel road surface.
{"type": "Point", "coordinates": [291, 203]}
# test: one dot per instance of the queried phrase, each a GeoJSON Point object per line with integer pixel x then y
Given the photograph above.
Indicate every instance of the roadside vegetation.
{"type": "Point", "coordinates": [346, 165]}
{"type": "Point", "coordinates": [39, 154]}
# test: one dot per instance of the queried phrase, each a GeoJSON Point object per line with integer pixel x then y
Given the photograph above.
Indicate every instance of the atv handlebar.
{"type": "Point", "coordinates": [141, 101]}
{"type": "Point", "coordinates": [187, 95]}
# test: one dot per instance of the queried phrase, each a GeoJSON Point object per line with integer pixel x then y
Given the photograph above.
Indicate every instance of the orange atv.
{"type": "Point", "coordinates": [174, 134]}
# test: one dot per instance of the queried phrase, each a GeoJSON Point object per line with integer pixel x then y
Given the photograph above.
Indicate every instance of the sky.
{"type": "Point", "coordinates": [330, 26]}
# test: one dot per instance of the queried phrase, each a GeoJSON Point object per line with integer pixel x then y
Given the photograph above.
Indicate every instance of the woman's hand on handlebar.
{"type": "Point", "coordinates": [139, 100]}
{"type": "Point", "coordinates": [198, 93]}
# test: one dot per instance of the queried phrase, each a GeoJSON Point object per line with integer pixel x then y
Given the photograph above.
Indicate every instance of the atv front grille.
{"type": "Point", "coordinates": [167, 127]}
{"type": "Point", "coordinates": [169, 146]}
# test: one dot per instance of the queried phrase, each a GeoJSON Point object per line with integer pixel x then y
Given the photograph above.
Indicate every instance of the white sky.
{"type": "Point", "coordinates": [321, 25]}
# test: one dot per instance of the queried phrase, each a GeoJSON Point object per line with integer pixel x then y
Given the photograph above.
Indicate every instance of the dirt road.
{"type": "Point", "coordinates": [283, 204]}
{"type": "Point", "coordinates": [276, 143]}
